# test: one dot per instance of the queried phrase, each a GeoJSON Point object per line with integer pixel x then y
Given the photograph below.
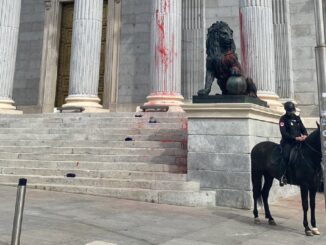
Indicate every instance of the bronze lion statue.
{"type": "Point", "coordinates": [222, 62]}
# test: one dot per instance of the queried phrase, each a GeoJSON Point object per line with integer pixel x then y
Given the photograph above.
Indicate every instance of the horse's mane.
{"type": "Point", "coordinates": [313, 144]}
{"type": "Point", "coordinates": [313, 139]}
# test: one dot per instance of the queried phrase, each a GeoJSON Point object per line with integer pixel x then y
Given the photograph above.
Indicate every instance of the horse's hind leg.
{"type": "Point", "coordinates": [265, 193]}
{"type": "Point", "coordinates": [256, 183]}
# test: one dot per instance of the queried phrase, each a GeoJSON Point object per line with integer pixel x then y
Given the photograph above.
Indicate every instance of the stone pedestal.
{"type": "Point", "coordinates": [228, 99]}
{"type": "Point", "coordinates": [220, 139]}
{"type": "Point", "coordinates": [166, 54]}
{"type": "Point", "coordinates": [257, 47]}
{"type": "Point", "coordinates": [9, 28]}
{"type": "Point", "coordinates": [86, 51]}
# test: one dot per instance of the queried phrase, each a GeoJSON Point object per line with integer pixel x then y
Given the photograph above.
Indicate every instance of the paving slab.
{"type": "Point", "coordinates": [52, 218]}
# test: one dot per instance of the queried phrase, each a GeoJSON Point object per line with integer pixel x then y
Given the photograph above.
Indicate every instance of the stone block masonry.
{"type": "Point", "coordinates": [29, 53]}
{"type": "Point", "coordinates": [219, 144]}
{"type": "Point", "coordinates": [134, 71]}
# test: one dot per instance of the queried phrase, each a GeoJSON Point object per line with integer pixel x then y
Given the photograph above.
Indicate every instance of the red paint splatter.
{"type": "Point", "coordinates": [185, 125]}
{"type": "Point", "coordinates": [243, 46]}
{"type": "Point", "coordinates": [165, 93]}
{"type": "Point", "coordinates": [163, 52]}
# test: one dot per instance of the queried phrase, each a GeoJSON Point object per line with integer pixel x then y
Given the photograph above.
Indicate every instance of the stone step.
{"type": "Point", "coordinates": [98, 125]}
{"type": "Point", "coordinates": [91, 131]}
{"type": "Point", "coordinates": [94, 158]}
{"type": "Point", "coordinates": [97, 115]}
{"type": "Point", "coordinates": [151, 167]}
{"type": "Point", "coordinates": [79, 119]}
{"type": "Point", "coordinates": [182, 198]}
{"type": "Point", "coordinates": [104, 136]}
{"type": "Point", "coordinates": [108, 174]}
{"type": "Point", "coordinates": [94, 166]}
{"type": "Point", "coordinates": [104, 182]}
{"type": "Point", "coordinates": [94, 143]}
{"type": "Point", "coordinates": [94, 150]}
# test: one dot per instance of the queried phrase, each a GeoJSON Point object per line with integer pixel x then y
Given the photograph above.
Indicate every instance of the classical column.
{"type": "Point", "coordinates": [283, 50]}
{"type": "Point", "coordinates": [9, 28]}
{"type": "Point", "coordinates": [257, 43]}
{"type": "Point", "coordinates": [85, 56]}
{"type": "Point", "coordinates": [320, 17]}
{"type": "Point", "coordinates": [193, 47]}
{"type": "Point", "coordinates": [166, 54]}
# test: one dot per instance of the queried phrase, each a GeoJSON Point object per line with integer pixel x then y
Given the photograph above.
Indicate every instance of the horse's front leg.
{"type": "Point", "coordinates": [312, 197]}
{"type": "Point", "coordinates": [304, 201]}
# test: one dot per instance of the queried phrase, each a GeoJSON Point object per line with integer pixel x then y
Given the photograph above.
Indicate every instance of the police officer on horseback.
{"type": "Point", "coordinates": [293, 132]}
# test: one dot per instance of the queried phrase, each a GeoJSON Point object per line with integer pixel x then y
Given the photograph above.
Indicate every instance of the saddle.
{"type": "Point", "coordinates": [277, 159]}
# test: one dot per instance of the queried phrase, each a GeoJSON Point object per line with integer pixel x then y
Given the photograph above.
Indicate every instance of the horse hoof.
{"type": "Point", "coordinates": [257, 221]}
{"type": "Point", "coordinates": [315, 231]}
{"type": "Point", "coordinates": [309, 233]}
{"type": "Point", "coordinates": [271, 222]}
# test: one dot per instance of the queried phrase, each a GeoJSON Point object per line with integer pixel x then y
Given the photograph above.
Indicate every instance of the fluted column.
{"type": "Point", "coordinates": [85, 54]}
{"type": "Point", "coordinates": [257, 43]}
{"type": "Point", "coordinates": [166, 54]}
{"type": "Point", "coordinates": [283, 50]}
{"type": "Point", "coordinates": [9, 28]}
{"type": "Point", "coordinates": [193, 47]}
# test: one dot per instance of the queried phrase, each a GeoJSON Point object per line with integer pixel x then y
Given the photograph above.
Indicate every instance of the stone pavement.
{"type": "Point", "coordinates": [52, 218]}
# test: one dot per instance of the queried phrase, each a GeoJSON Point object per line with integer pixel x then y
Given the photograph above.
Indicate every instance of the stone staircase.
{"type": "Point", "coordinates": [108, 154]}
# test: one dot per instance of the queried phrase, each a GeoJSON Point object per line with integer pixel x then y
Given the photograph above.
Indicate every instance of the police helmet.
{"type": "Point", "coordinates": [289, 107]}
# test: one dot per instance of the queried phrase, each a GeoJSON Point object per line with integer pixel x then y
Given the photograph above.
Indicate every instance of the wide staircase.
{"type": "Point", "coordinates": [123, 155]}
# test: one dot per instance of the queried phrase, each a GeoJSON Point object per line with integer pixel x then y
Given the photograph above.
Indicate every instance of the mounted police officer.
{"type": "Point", "coordinates": [293, 132]}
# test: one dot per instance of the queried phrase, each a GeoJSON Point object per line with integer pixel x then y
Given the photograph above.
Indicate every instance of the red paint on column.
{"type": "Point", "coordinates": [172, 55]}
{"type": "Point", "coordinates": [165, 93]}
{"type": "Point", "coordinates": [162, 50]}
{"type": "Point", "coordinates": [243, 43]}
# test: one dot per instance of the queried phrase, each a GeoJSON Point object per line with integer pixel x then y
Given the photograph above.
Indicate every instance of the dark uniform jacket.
{"type": "Point", "coordinates": [291, 127]}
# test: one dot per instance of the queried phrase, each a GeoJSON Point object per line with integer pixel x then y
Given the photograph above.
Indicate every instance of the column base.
{"type": "Point", "coordinates": [173, 100]}
{"type": "Point", "coordinates": [91, 104]}
{"type": "Point", "coordinates": [7, 107]}
{"type": "Point", "coordinates": [272, 100]}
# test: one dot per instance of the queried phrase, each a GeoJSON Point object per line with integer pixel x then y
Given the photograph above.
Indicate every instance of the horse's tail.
{"type": "Point", "coordinates": [256, 179]}
{"type": "Point", "coordinates": [257, 172]}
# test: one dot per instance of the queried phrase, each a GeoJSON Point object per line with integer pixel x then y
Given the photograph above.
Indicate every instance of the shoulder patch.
{"type": "Point", "coordinates": [282, 124]}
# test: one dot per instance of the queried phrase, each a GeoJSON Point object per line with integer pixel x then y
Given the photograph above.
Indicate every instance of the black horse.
{"type": "Point", "coordinates": [306, 173]}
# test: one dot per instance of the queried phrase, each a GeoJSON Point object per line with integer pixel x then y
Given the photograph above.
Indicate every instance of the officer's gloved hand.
{"type": "Point", "coordinates": [300, 138]}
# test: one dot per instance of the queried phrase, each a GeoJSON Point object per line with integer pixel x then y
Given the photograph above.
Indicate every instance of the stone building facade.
{"type": "Point", "coordinates": [127, 36]}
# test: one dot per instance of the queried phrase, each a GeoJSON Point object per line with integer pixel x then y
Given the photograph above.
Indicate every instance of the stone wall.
{"type": "Point", "coordinates": [304, 64]}
{"type": "Point", "coordinates": [134, 70]}
{"type": "Point", "coordinates": [29, 53]}
{"type": "Point", "coordinates": [219, 157]}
